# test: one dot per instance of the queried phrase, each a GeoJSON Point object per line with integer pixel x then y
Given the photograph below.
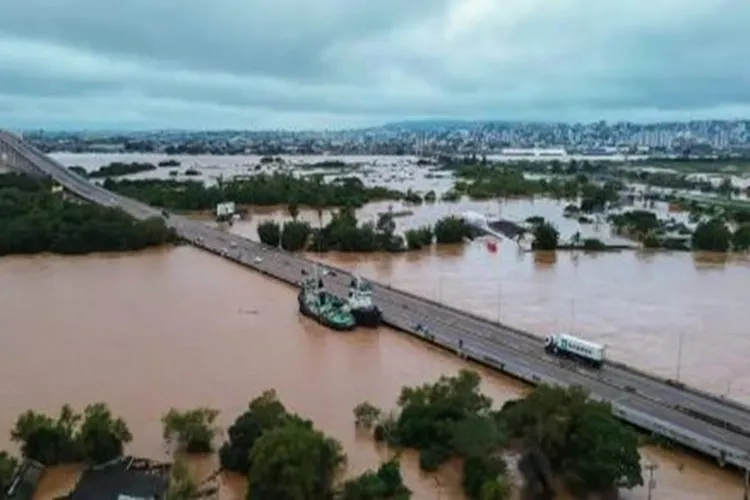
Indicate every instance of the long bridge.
{"type": "Point", "coordinates": [709, 424]}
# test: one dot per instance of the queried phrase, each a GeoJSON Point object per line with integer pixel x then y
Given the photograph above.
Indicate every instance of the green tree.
{"type": "Point", "coordinates": [192, 430]}
{"type": "Point", "coordinates": [47, 440]}
{"type": "Point", "coordinates": [712, 236]}
{"type": "Point", "coordinates": [261, 189]}
{"type": "Point", "coordinates": [264, 413]}
{"type": "Point", "coordinates": [431, 413]}
{"type": "Point", "coordinates": [582, 440]}
{"type": "Point", "coordinates": [635, 223]}
{"type": "Point", "coordinates": [741, 238]}
{"type": "Point", "coordinates": [499, 488]}
{"type": "Point", "coordinates": [293, 462]}
{"type": "Point", "coordinates": [293, 210]}
{"type": "Point", "coordinates": [451, 229]}
{"type": "Point", "coordinates": [181, 484]}
{"type": "Point", "coordinates": [546, 236]}
{"type": "Point", "coordinates": [102, 436]}
{"type": "Point", "coordinates": [418, 238]}
{"type": "Point", "coordinates": [366, 415]}
{"type": "Point", "coordinates": [384, 484]}
{"type": "Point", "coordinates": [33, 220]}
{"type": "Point", "coordinates": [479, 471]}
{"type": "Point", "coordinates": [269, 233]}
{"type": "Point", "coordinates": [448, 418]}
{"type": "Point", "coordinates": [295, 235]}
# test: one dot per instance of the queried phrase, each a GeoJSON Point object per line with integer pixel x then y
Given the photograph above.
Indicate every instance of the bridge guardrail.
{"type": "Point", "coordinates": [689, 439]}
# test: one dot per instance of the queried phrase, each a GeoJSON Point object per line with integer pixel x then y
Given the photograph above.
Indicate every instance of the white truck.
{"type": "Point", "coordinates": [566, 345]}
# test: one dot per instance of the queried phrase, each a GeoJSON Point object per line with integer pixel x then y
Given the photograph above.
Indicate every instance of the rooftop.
{"type": "Point", "coordinates": [126, 479]}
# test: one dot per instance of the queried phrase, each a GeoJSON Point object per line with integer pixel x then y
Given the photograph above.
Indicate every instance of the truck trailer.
{"type": "Point", "coordinates": [570, 346]}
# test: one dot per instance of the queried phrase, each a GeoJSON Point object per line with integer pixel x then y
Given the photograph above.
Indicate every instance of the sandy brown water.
{"type": "Point", "coordinates": [177, 327]}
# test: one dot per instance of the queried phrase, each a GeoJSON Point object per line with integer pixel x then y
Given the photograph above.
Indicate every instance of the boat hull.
{"type": "Point", "coordinates": [370, 317]}
{"type": "Point", "coordinates": [306, 310]}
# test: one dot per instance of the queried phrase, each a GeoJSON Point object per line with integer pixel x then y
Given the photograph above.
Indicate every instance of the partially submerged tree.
{"type": "Point", "coordinates": [192, 431]}
{"type": "Point", "coordinates": [181, 484]}
{"type": "Point", "coordinates": [294, 462]}
{"type": "Point", "coordinates": [264, 413]}
{"type": "Point", "coordinates": [102, 436]}
{"type": "Point", "coordinates": [384, 484]}
{"type": "Point", "coordinates": [96, 436]}
{"type": "Point", "coordinates": [366, 415]}
{"type": "Point", "coordinates": [580, 438]}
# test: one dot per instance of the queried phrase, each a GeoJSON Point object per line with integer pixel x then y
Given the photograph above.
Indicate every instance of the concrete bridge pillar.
{"type": "Point", "coordinates": [4, 159]}
{"type": "Point", "coordinates": [13, 161]}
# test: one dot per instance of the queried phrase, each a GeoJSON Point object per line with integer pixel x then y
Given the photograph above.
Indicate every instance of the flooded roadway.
{"type": "Point", "coordinates": [181, 328]}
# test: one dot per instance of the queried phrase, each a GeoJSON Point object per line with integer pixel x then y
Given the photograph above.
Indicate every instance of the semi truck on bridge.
{"type": "Point", "coordinates": [570, 346]}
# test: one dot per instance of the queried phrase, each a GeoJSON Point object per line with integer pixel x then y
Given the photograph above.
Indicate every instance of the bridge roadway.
{"type": "Point", "coordinates": [642, 399]}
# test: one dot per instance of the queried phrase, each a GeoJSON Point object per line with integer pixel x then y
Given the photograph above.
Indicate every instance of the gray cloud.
{"type": "Point", "coordinates": [264, 63]}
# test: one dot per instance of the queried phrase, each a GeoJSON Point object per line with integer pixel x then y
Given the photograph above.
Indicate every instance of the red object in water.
{"type": "Point", "coordinates": [492, 246]}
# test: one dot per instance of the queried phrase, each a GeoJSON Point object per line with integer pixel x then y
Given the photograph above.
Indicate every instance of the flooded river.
{"type": "Point", "coordinates": [680, 315]}
{"type": "Point", "coordinates": [177, 327]}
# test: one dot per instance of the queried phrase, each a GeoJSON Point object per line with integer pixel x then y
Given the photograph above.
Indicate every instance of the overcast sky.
{"type": "Point", "coordinates": [340, 63]}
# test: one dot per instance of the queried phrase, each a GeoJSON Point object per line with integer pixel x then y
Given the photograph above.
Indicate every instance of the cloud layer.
{"type": "Point", "coordinates": [340, 63]}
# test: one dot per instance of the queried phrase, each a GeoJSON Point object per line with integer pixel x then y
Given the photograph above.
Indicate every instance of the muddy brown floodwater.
{"type": "Point", "coordinates": [178, 327]}
{"type": "Point", "coordinates": [641, 305]}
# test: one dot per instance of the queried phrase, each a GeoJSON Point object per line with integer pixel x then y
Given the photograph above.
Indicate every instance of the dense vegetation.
{"type": "Point", "coordinates": [576, 438]}
{"type": "Point", "coordinates": [481, 180]}
{"type": "Point", "coordinates": [33, 219]}
{"type": "Point", "coordinates": [562, 433]}
{"type": "Point", "coordinates": [674, 173]}
{"type": "Point", "coordinates": [117, 168]}
{"type": "Point", "coordinates": [286, 458]}
{"type": "Point", "coordinates": [282, 454]}
{"type": "Point", "coordinates": [344, 233]}
{"type": "Point", "coordinates": [711, 234]}
{"type": "Point", "coordinates": [546, 235]}
{"type": "Point", "coordinates": [260, 189]}
{"type": "Point", "coordinates": [192, 431]}
{"type": "Point", "coordinates": [96, 436]}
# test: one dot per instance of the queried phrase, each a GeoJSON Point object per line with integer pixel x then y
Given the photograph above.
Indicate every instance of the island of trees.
{"type": "Point", "coordinates": [117, 169]}
{"type": "Point", "coordinates": [564, 438]}
{"type": "Point", "coordinates": [345, 233]}
{"type": "Point", "coordinates": [261, 190]}
{"type": "Point", "coordinates": [34, 219]}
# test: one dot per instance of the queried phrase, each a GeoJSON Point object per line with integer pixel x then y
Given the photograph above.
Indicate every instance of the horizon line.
{"type": "Point", "coordinates": [432, 122]}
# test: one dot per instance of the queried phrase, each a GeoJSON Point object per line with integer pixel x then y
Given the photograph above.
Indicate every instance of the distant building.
{"type": "Point", "coordinates": [534, 152]}
{"type": "Point", "coordinates": [106, 148]}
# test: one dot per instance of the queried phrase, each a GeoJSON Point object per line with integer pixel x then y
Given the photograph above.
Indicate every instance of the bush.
{"type": "Point", "coordinates": [192, 431]}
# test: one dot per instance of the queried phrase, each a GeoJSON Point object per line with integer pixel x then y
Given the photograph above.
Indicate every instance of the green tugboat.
{"type": "Point", "coordinates": [324, 307]}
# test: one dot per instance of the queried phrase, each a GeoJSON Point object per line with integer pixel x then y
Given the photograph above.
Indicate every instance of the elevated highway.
{"type": "Point", "coordinates": [706, 423]}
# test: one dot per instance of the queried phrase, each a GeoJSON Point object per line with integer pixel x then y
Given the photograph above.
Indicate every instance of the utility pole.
{"type": "Point", "coordinates": [651, 482]}
{"type": "Point", "coordinates": [499, 300]}
{"type": "Point", "coordinates": [499, 292]}
{"type": "Point", "coordinates": [572, 315]}
{"type": "Point", "coordinates": [679, 356]}
{"type": "Point", "coordinates": [746, 494]}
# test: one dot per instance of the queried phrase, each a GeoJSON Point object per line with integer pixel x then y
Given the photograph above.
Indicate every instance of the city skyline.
{"type": "Point", "coordinates": [338, 64]}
